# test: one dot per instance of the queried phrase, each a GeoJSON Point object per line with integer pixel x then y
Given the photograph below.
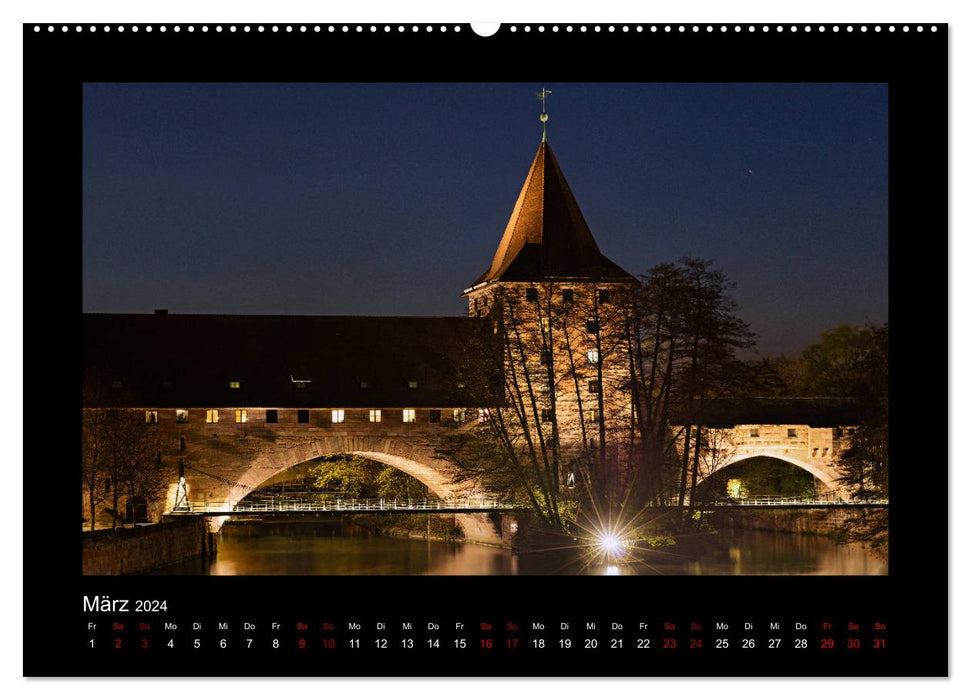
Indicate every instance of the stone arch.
{"type": "Point", "coordinates": [828, 479]}
{"type": "Point", "coordinates": [417, 460]}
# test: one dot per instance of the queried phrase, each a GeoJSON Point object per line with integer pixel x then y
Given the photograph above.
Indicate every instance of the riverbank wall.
{"type": "Point", "coordinates": [828, 522]}
{"type": "Point", "coordinates": [141, 549]}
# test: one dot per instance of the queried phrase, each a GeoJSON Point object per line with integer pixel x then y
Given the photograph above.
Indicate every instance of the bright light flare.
{"type": "Point", "coordinates": [611, 545]}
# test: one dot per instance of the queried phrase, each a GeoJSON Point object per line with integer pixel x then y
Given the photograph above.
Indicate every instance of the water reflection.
{"type": "Point", "coordinates": [271, 550]}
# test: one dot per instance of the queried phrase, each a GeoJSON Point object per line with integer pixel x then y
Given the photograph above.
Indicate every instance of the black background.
{"type": "Point", "coordinates": [911, 600]}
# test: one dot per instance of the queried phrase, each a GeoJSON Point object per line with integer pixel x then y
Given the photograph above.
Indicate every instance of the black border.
{"type": "Point", "coordinates": [911, 600]}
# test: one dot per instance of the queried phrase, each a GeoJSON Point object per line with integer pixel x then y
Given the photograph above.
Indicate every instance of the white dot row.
{"type": "Point", "coordinates": [681, 28]}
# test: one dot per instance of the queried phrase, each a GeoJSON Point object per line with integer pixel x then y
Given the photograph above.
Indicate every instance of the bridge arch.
{"type": "Point", "coordinates": [417, 460]}
{"type": "Point", "coordinates": [828, 479]}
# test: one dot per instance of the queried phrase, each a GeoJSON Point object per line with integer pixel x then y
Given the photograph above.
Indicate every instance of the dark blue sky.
{"type": "Point", "coordinates": [391, 199]}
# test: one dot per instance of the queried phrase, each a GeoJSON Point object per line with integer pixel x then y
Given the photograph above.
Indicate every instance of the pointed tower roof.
{"type": "Point", "coordinates": [547, 236]}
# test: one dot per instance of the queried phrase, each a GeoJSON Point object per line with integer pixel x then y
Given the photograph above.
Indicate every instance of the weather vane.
{"type": "Point", "coordinates": [543, 117]}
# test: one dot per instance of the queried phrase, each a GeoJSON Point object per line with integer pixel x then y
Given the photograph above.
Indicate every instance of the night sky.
{"type": "Point", "coordinates": [391, 199]}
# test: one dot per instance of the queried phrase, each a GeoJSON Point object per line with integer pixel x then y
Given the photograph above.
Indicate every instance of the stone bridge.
{"type": "Point", "coordinates": [808, 433]}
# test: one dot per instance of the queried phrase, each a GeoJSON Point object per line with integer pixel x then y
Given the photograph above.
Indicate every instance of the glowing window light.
{"type": "Point", "coordinates": [240, 415]}
{"type": "Point", "coordinates": [408, 415]}
{"type": "Point", "coordinates": [212, 416]}
{"type": "Point", "coordinates": [458, 415]}
{"type": "Point", "coordinates": [337, 415]}
{"type": "Point", "coordinates": [593, 356]}
{"type": "Point", "coordinates": [181, 415]}
{"type": "Point", "coordinates": [151, 417]}
{"type": "Point", "coordinates": [234, 385]}
{"type": "Point", "coordinates": [375, 415]}
{"type": "Point", "coordinates": [736, 488]}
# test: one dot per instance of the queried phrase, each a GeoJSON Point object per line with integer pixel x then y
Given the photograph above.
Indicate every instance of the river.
{"type": "Point", "coordinates": [317, 552]}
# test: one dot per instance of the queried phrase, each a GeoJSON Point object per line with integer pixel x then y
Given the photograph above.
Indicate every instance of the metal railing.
{"type": "Point", "coordinates": [797, 501]}
{"type": "Point", "coordinates": [345, 505]}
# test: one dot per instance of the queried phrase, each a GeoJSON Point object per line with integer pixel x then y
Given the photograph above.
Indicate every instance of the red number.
{"type": "Point", "coordinates": [695, 644]}
{"type": "Point", "coordinates": [670, 643]}
{"type": "Point", "coordinates": [511, 643]}
{"type": "Point", "coordinates": [826, 643]}
{"type": "Point", "coordinates": [879, 643]}
{"type": "Point", "coordinates": [486, 643]}
{"type": "Point", "coordinates": [302, 643]}
{"type": "Point", "coordinates": [328, 643]}
{"type": "Point", "coordinates": [118, 643]}
{"type": "Point", "coordinates": [853, 643]}
{"type": "Point", "coordinates": [144, 643]}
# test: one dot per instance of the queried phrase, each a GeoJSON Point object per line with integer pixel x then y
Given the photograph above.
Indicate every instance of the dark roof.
{"type": "Point", "coordinates": [189, 361]}
{"type": "Point", "coordinates": [547, 236]}
{"type": "Point", "coordinates": [814, 412]}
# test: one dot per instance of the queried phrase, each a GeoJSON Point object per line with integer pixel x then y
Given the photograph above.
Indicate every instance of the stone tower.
{"type": "Point", "coordinates": [559, 304]}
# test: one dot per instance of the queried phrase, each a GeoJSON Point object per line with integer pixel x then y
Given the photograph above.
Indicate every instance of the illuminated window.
{"type": "Point", "coordinates": [234, 385]}
{"type": "Point", "coordinates": [413, 384]}
{"type": "Point", "coordinates": [544, 323]}
{"type": "Point", "coordinates": [593, 387]}
{"type": "Point", "coordinates": [435, 416]}
{"type": "Point", "coordinates": [151, 417]}
{"type": "Point", "coordinates": [592, 327]}
{"type": "Point", "coordinates": [365, 385]}
{"type": "Point", "coordinates": [181, 415]}
{"type": "Point", "coordinates": [483, 415]}
{"type": "Point", "coordinates": [593, 415]}
{"type": "Point", "coordinates": [240, 415]}
{"type": "Point", "coordinates": [375, 415]}
{"type": "Point", "coordinates": [460, 385]}
{"type": "Point", "coordinates": [593, 356]}
{"type": "Point", "coordinates": [337, 415]}
{"type": "Point", "coordinates": [116, 384]}
{"type": "Point", "coordinates": [753, 432]}
{"type": "Point", "coordinates": [531, 294]}
{"type": "Point", "coordinates": [458, 415]}
{"type": "Point", "coordinates": [547, 415]}
{"type": "Point", "coordinates": [495, 327]}
{"type": "Point", "coordinates": [212, 416]}
{"type": "Point", "coordinates": [408, 415]}
{"type": "Point", "coordinates": [567, 296]}
{"type": "Point", "coordinates": [303, 415]}
{"type": "Point", "coordinates": [791, 432]}
{"type": "Point", "coordinates": [603, 296]}
{"type": "Point", "coordinates": [272, 416]}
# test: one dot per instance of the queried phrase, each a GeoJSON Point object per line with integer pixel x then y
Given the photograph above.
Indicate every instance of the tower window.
{"type": "Point", "coordinates": [791, 433]}
{"type": "Point", "coordinates": [567, 296]}
{"type": "Point", "coordinates": [547, 415]}
{"type": "Point", "coordinates": [753, 432]}
{"type": "Point", "coordinates": [408, 415]}
{"type": "Point", "coordinates": [544, 323]}
{"type": "Point", "coordinates": [272, 416]}
{"type": "Point", "coordinates": [337, 415]}
{"type": "Point", "coordinates": [593, 357]}
{"type": "Point", "coordinates": [181, 415]}
{"type": "Point", "coordinates": [594, 387]}
{"type": "Point", "coordinates": [240, 415]}
{"type": "Point", "coordinates": [374, 416]}
{"type": "Point", "coordinates": [531, 294]}
{"type": "Point", "coordinates": [603, 296]}
{"type": "Point", "coordinates": [303, 415]}
{"type": "Point", "coordinates": [593, 415]}
{"type": "Point", "coordinates": [151, 417]}
{"type": "Point", "coordinates": [435, 416]}
{"type": "Point", "coordinates": [592, 326]}
{"type": "Point", "coordinates": [212, 416]}
{"type": "Point", "coordinates": [234, 385]}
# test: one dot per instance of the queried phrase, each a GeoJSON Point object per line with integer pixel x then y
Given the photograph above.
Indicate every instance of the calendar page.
{"type": "Point", "coordinates": [556, 350]}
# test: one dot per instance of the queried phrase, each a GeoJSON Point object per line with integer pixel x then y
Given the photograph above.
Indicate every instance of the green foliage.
{"type": "Point", "coordinates": [363, 478]}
